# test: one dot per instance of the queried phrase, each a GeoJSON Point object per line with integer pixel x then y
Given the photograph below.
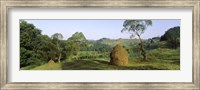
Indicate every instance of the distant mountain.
{"type": "Point", "coordinates": [103, 39]}
{"type": "Point", "coordinates": [113, 42]}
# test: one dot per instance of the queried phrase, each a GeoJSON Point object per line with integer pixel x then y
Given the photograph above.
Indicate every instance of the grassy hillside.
{"type": "Point", "coordinates": [168, 60]}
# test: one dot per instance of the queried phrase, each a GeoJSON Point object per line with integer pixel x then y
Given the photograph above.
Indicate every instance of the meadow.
{"type": "Point", "coordinates": [159, 59]}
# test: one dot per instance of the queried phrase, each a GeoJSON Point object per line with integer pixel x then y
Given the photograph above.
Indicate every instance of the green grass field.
{"type": "Point", "coordinates": [159, 59]}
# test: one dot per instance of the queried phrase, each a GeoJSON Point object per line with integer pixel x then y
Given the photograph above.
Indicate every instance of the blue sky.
{"type": "Point", "coordinates": [97, 29]}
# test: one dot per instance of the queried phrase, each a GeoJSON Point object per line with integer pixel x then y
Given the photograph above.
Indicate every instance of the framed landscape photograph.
{"type": "Point", "coordinates": [100, 44]}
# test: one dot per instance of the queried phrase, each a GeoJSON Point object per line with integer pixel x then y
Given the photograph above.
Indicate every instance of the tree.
{"type": "Point", "coordinates": [137, 28]}
{"type": "Point", "coordinates": [37, 49]}
{"type": "Point", "coordinates": [172, 36]}
{"type": "Point", "coordinates": [30, 47]}
{"type": "Point", "coordinates": [56, 38]}
{"type": "Point", "coordinates": [76, 42]}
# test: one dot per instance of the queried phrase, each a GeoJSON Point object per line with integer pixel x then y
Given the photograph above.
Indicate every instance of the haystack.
{"type": "Point", "coordinates": [119, 56]}
{"type": "Point", "coordinates": [51, 64]}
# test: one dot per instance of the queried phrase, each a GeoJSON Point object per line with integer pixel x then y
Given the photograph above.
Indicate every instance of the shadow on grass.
{"type": "Point", "coordinates": [101, 65]}
{"type": "Point", "coordinates": [83, 65]}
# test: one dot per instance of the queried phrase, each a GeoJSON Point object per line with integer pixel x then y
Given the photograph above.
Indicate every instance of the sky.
{"type": "Point", "coordinates": [97, 29]}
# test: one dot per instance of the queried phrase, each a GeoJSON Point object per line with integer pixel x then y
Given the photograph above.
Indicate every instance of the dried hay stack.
{"type": "Point", "coordinates": [119, 56]}
{"type": "Point", "coordinates": [51, 64]}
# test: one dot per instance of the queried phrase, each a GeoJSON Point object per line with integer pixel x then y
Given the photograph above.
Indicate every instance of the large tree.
{"type": "Point", "coordinates": [56, 38]}
{"type": "Point", "coordinates": [137, 28]}
{"type": "Point", "coordinates": [32, 44]}
{"type": "Point", "coordinates": [37, 49]}
{"type": "Point", "coordinates": [172, 36]}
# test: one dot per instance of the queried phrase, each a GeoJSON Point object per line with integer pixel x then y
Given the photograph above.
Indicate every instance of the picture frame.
{"type": "Point", "coordinates": [4, 43]}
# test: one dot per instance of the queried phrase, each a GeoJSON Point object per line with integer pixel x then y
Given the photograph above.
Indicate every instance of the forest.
{"type": "Point", "coordinates": [43, 52]}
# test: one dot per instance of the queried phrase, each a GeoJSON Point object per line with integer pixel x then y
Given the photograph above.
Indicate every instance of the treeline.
{"type": "Point", "coordinates": [37, 49]}
{"type": "Point", "coordinates": [170, 39]}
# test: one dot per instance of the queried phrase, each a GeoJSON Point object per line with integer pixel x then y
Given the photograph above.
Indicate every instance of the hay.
{"type": "Point", "coordinates": [51, 64]}
{"type": "Point", "coordinates": [119, 56]}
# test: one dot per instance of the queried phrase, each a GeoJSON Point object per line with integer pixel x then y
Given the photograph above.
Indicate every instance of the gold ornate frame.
{"type": "Point", "coordinates": [4, 45]}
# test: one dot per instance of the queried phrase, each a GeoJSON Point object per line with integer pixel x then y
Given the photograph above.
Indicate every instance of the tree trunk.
{"type": "Point", "coordinates": [59, 51]}
{"type": "Point", "coordinates": [143, 53]}
{"type": "Point", "coordinates": [59, 57]}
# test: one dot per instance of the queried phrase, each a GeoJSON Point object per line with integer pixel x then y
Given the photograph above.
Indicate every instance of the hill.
{"type": "Point", "coordinates": [113, 42]}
